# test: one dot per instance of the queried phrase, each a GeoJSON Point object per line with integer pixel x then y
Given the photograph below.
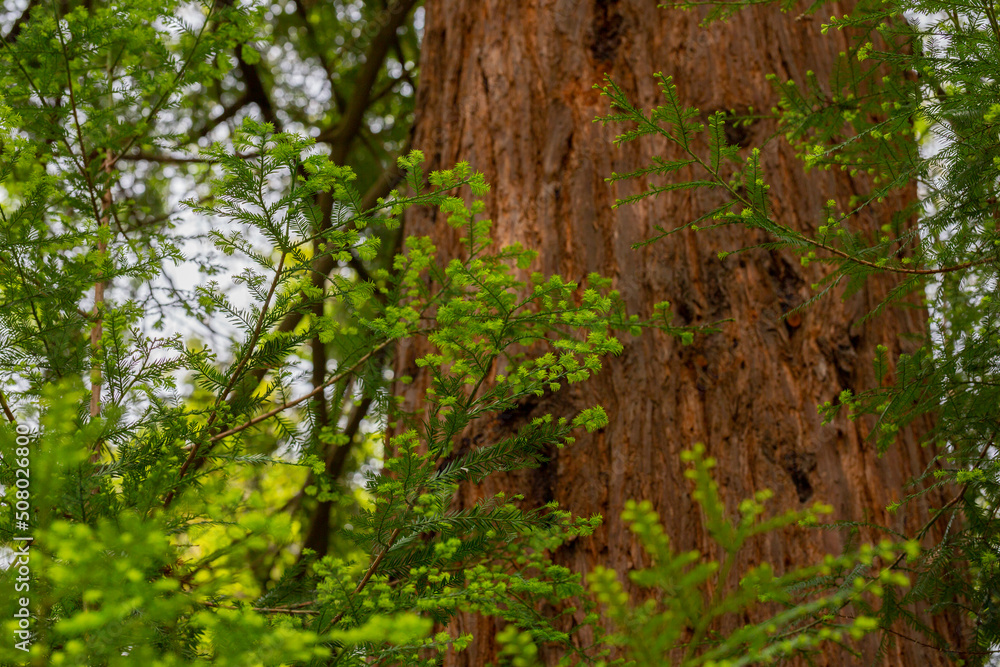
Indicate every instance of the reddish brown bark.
{"type": "Point", "coordinates": [507, 86]}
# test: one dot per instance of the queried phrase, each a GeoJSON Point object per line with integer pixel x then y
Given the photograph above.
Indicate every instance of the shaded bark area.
{"type": "Point", "coordinates": [508, 86]}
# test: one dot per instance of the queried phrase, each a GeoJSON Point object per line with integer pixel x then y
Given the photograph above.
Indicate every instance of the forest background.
{"type": "Point", "coordinates": [285, 380]}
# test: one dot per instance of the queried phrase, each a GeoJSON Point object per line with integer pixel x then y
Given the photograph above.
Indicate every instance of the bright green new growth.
{"type": "Point", "coordinates": [685, 594]}
{"type": "Point", "coordinates": [165, 475]}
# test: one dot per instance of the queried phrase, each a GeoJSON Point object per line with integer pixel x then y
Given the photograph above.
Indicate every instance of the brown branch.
{"type": "Point", "coordinates": [318, 346]}
{"type": "Point", "coordinates": [392, 18]}
{"type": "Point", "coordinates": [398, 48]}
{"type": "Point", "coordinates": [82, 166]}
{"type": "Point", "coordinates": [236, 375]}
{"type": "Point", "coordinates": [97, 330]}
{"type": "Point", "coordinates": [227, 113]}
{"type": "Point", "coordinates": [961, 494]}
{"type": "Point", "coordinates": [305, 397]}
{"type": "Point", "coordinates": [317, 48]}
{"type": "Point", "coordinates": [368, 575]}
{"type": "Point", "coordinates": [897, 269]}
{"type": "Point", "coordinates": [925, 645]}
{"type": "Point", "coordinates": [269, 610]}
{"type": "Point", "coordinates": [142, 156]}
{"type": "Point", "coordinates": [6, 408]}
{"type": "Point", "coordinates": [324, 264]}
{"type": "Point", "coordinates": [256, 92]}
{"type": "Point", "coordinates": [103, 216]}
{"type": "Point", "coordinates": [318, 537]}
{"type": "Point", "coordinates": [385, 183]}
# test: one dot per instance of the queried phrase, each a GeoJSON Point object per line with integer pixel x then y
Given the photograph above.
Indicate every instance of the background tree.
{"type": "Point", "coordinates": [345, 74]}
{"type": "Point", "coordinates": [515, 85]}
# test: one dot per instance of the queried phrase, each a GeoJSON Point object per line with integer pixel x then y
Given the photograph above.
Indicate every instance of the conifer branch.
{"type": "Point", "coordinates": [310, 31]}
{"type": "Point", "coordinates": [256, 92]}
{"type": "Point", "coordinates": [317, 537]}
{"type": "Point", "coordinates": [991, 15]}
{"type": "Point", "coordinates": [372, 569]}
{"type": "Point", "coordinates": [951, 503]}
{"type": "Point", "coordinates": [102, 215]}
{"type": "Point", "coordinates": [97, 328]}
{"type": "Point", "coordinates": [394, 16]}
{"type": "Point", "coordinates": [305, 397]}
{"type": "Point", "coordinates": [165, 97]}
{"type": "Point", "coordinates": [950, 651]}
{"type": "Point", "coordinates": [266, 610]}
{"type": "Point", "coordinates": [143, 156]}
{"type": "Point", "coordinates": [235, 375]}
{"type": "Point", "coordinates": [74, 110]}
{"type": "Point", "coordinates": [6, 408]}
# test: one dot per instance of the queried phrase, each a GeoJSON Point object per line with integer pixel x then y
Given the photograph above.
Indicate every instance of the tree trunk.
{"type": "Point", "coordinates": [508, 86]}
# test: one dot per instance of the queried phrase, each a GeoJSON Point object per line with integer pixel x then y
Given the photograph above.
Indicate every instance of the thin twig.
{"type": "Point", "coordinates": [166, 94]}
{"type": "Point", "coordinates": [97, 330]}
{"type": "Point", "coordinates": [961, 494]}
{"type": "Point", "coordinates": [142, 156]}
{"type": "Point", "coordinates": [925, 645]}
{"type": "Point", "coordinates": [359, 102]}
{"type": "Point", "coordinates": [305, 397]}
{"type": "Point", "coordinates": [235, 375]}
{"type": "Point", "coordinates": [368, 575]}
{"type": "Point", "coordinates": [271, 610]}
{"type": "Point", "coordinates": [6, 408]}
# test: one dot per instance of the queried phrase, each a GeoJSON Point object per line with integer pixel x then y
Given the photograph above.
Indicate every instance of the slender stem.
{"type": "Point", "coordinates": [19, 24]}
{"type": "Point", "coordinates": [925, 645]}
{"type": "Point", "coordinates": [6, 408]}
{"type": "Point", "coordinates": [236, 374]}
{"type": "Point", "coordinates": [103, 221]}
{"type": "Point", "coordinates": [82, 166]}
{"type": "Point", "coordinates": [368, 575]}
{"type": "Point", "coordinates": [272, 610]}
{"type": "Point", "coordinates": [97, 314]}
{"type": "Point", "coordinates": [707, 616]}
{"type": "Point", "coordinates": [958, 496]}
{"type": "Point", "coordinates": [898, 269]}
{"type": "Point", "coordinates": [305, 397]}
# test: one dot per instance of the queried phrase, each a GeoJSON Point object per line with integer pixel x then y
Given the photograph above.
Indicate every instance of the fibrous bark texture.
{"type": "Point", "coordinates": [508, 86]}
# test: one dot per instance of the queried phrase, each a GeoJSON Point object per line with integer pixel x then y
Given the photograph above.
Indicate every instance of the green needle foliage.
{"type": "Point", "coordinates": [686, 594]}
{"type": "Point", "coordinates": [168, 474]}
{"type": "Point", "coordinates": [913, 100]}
